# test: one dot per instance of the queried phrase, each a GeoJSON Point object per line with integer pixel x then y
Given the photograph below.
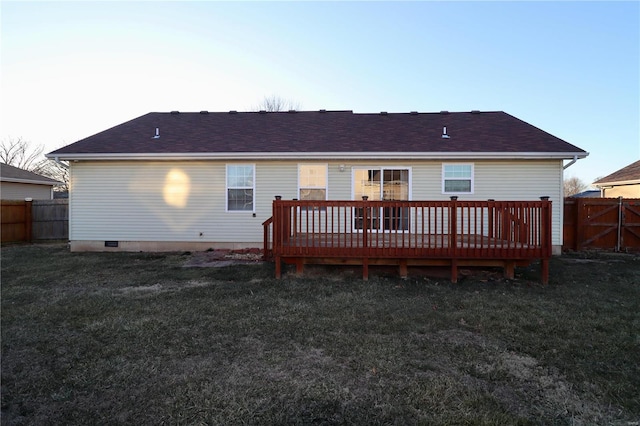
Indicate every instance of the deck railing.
{"type": "Point", "coordinates": [409, 229]}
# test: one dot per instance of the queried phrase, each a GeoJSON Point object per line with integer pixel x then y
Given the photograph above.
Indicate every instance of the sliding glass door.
{"type": "Point", "coordinates": [387, 184]}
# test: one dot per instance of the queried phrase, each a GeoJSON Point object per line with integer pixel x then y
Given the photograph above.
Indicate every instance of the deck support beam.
{"type": "Point", "coordinates": [454, 271]}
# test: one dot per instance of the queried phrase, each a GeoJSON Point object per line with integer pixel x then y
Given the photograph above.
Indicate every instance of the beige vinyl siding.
{"type": "Point", "coordinates": [131, 201]}
{"type": "Point", "coordinates": [20, 191]}
{"type": "Point", "coordinates": [125, 200]}
{"type": "Point", "coordinates": [626, 191]}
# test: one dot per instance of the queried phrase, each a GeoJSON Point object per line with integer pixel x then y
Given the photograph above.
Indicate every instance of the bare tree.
{"type": "Point", "coordinates": [58, 170]}
{"type": "Point", "coordinates": [573, 186]}
{"type": "Point", "coordinates": [19, 153]}
{"type": "Point", "coordinates": [276, 103]}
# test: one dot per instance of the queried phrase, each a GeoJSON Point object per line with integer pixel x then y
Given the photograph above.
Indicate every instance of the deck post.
{"type": "Point", "coordinates": [404, 271]}
{"type": "Point", "coordinates": [509, 269]}
{"type": "Point", "coordinates": [545, 271]}
{"type": "Point", "coordinates": [365, 224]}
{"type": "Point", "coordinates": [453, 237]}
{"type": "Point", "coordinates": [546, 239]}
{"type": "Point", "coordinates": [490, 215]}
{"type": "Point", "coordinates": [365, 269]}
{"type": "Point", "coordinates": [278, 265]}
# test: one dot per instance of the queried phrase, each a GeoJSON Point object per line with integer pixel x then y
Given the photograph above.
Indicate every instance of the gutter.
{"type": "Point", "coordinates": [323, 155]}
{"type": "Point", "coordinates": [57, 160]}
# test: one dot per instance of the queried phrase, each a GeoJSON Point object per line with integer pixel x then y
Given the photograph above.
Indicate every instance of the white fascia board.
{"type": "Point", "coordinates": [323, 155]}
{"type": "Point", "coordinates": [33, 182]}
{"type": "Point", "coordinates": [617, 183]}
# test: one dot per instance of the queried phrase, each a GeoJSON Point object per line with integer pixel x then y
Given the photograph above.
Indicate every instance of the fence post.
{"type": "Point", "coordinates": [619, 239]}
{"type": "Point", "coordinates": [581, 222]}
{"type": "Point", "coordinates": [28, 221]}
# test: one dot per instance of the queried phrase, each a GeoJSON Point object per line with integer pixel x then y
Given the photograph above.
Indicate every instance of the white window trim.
{"type": "Point", "coordinates": [326, 179]}
{"type": "Point", "coordinates": [226, 188]}
{"type": "Point", "coordinates": [472, 178]}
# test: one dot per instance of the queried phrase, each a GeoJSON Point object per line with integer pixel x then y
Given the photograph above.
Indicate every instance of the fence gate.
{"type": "Point", "coordinates": [601, 223]}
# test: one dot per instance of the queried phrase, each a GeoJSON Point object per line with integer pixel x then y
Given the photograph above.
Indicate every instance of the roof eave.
{"type": "Point", "coordinates": [33, 182]}
{"type": "Point", "coordinates": [616, 183]}
{"type": "Point", "coordinates": [320, 155]}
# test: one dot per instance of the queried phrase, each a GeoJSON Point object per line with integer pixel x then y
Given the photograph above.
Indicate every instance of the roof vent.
{"type": "Point", "coordinates": [263, 111]}
{"type": "Point", "coordinates": [292, 111]}
{"type": "Point", "coordinates": [383, 112]}
{"type": "Point", "coordinates": [233, 111]}
{"type": "Point", "coordinates": [157, 135]}
{"type": "Point", "coordinates": [414, 112]}
{"type": "Point", "coordinates": [444, 133]}
{"type": "Point", "coordinates": [323, 110]}
{"type": "Point", "coordinates": [175, 112]}
{"type": "Point", "coordinates": [204, 112]}
{"type": "Point", "coordinates": [444, 112]}
{"type": "Point", "coordinates": [475, 111]}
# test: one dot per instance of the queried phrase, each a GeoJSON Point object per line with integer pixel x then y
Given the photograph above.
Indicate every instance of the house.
{"type": "Point", "coordinates": [18, 184]}
{"type": "Point", "coordinates": [621, 183]}
{"type": "Point", "coordinates": [588, 193]}
{"type": "Point", "coordinates": [191, 181]}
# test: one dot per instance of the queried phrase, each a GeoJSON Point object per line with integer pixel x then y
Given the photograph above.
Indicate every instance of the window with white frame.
{"type": "Point", "coordinates": [240, 187]}
{"type": "Point", "coordinates": [312, 182]}
{"type": "Point", "coordinates": [457, 178]}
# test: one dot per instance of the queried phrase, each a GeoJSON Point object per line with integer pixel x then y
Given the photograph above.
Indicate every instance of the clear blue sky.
{"type": "Point", "coordinates": [72, 69]}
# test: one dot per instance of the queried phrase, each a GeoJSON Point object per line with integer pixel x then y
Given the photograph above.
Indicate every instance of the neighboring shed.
{"type": "Point", "coordinates": [190, 181]}
{"type": "Point", "coordinates": [621, 183]}
{"type": "Point", "coordinates": [18, 184]}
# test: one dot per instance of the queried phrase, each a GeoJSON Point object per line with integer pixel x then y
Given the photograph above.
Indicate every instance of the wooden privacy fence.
{"type": "Point", "coordinates": [452, 233]}
{"type": "Point", "coordinates": [601, 223]}
{"type": "Point", "coordinates": [37, 220]}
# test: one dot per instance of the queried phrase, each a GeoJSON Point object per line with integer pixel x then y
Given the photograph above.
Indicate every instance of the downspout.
{"type": "Point", "coordinates": [570, 163]}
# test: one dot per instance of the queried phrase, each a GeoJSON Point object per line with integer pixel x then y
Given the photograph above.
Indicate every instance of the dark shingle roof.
{"type": "Point", "coordinates": [321, 132]}
{"type": "Point", "coordinates": [14, 174]}
{"type": "Point", "coordinates": [625, 174]}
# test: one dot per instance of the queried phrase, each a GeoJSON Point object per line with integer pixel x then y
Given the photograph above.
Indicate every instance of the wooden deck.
{"type": "Point", "coordinates": [410, 233]}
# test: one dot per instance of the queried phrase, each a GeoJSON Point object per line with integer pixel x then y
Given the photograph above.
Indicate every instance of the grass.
{"type": "Point", "coordinates": [137, 338]}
